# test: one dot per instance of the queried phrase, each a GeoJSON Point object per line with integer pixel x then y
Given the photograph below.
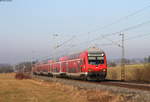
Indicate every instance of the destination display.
{"type": "Point", "coordinates": [95, 54]}
{"type": "Point", "coordinates": [96, 58]}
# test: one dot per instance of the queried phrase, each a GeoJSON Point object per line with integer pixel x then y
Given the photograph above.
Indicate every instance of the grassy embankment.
{"type": "Point", "coordinates": [139, 72]}
{"type": "Point", "coordinates": [28, 90]}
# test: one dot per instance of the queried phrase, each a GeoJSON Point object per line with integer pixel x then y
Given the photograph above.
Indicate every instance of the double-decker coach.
{"type": "Point", "coordinates": [90, 64]}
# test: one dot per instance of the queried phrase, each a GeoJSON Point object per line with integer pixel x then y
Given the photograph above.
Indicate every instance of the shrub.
{"type": "Point", "coordinates": [21, 76]}
{"type": "Point", "coordinates": [112, 64]}
{"type": "Point", "coordinates": [146, 72]}
{"type": "Point", "coordinates": [138, 74]}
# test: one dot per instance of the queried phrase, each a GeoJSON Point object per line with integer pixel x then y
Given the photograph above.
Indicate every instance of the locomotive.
{"type": "Point", "coordinates": [90, 64]}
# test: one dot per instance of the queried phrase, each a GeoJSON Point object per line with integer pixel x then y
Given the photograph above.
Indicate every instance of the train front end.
{"type": "Point", "coordinates": [96, 64]}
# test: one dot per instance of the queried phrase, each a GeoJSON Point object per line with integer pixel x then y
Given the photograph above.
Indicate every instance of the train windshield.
{"type": "Point", "coordinates": [95, 59]}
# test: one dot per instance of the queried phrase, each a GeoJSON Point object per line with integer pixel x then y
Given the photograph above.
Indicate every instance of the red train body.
{"type": "Point", "coordinates": [90, 64]}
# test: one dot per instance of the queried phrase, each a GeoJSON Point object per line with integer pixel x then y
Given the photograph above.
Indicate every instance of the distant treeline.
{"type": "Point", "coordinates": [147, 59]}
{"type": "Point", "coordinates": [6, 68]}
{"type": "Point", "coordinates": [20, 67]}
{"type": "Point", "coordinates": [24, 67]}
{"type": "Point", "coordinates": [113, 63]}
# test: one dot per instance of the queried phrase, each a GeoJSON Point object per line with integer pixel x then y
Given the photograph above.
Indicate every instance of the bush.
{"type": "Point", "coordinates": [146, 72]}
{"type": "Point", "coordinates": [112, 64]}
{"type": "Point", "coordinates": [142, 74]}
{"type": "Point", "coordinates": [22, 76]}
{"type": "Point", "coordinates": [138, 74]}
{"type": "Point", "coordinates": [114, 75]}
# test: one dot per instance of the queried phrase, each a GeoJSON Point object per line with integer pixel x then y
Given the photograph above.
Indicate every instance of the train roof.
{"type": "Point", "coordinates": [95, 50]}
{"type": "Point", "coordinates": [63, 58]}
{"type": "Point", "coordinates": [90, 49]}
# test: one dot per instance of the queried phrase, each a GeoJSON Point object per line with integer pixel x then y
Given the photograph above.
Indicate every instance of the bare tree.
{"type": "Point", "coordinates": [6, 68]}
{"type": "Point", "coordinates": [23, 67]}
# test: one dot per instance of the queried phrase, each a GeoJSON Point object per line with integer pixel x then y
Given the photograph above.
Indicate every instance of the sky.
{"type": "Point", "coordinates": [28, 28]}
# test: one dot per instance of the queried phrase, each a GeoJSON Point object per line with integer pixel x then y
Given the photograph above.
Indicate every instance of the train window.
{"type": "Point", "coordinates": [100, 58]}
{"type": "Point", "coordinates": [92, 58]}
{"type": "Point", "coordinates": [96, 54]}
{"type": "Point", "coordinates": [80, 62]}
{"type": "Point", "coordinates": [95, 60]}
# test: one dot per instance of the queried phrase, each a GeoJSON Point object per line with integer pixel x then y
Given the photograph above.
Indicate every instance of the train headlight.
{"type": "Point", "coordinates": [102, 54]}
{"type": "Point", "coordinates": [104, 70]}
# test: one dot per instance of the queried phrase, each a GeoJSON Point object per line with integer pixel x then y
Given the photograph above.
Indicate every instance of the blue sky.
{"type": "Point", "coordinates": [27, 27]}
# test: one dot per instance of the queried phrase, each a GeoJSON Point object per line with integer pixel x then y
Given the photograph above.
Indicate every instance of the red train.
{"type": "Point", "coordinates": [90, 64]}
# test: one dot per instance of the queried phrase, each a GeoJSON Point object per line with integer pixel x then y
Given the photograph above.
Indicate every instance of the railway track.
{"type": "Point", "coordinates": [135, 91]}
{"type": "Point", "coordinates": [138, 86]}
{"type": "Point", "coordinates": [127, 85]}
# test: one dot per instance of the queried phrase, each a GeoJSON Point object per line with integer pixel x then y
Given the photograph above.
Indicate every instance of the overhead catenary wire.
{"type": "Point", "coordinates": [115, 22]}
{"type": "Point", "coordinates": [138, 36]}
{"type": "Point", "coordinates": [106, 44]}
{"type": "Point", "coordinates": [120, 19]}
{"type": "Point", "coordinates": [125, 17]}
{"type": "Point", "coordinates": [112, 43]}
{"type": "Point", "coordinates": [132, 38]}
{"type": "Point", "coordinates": [117, 32]}
{"type": "Point", "coordinates": [58, 46]}
{"type": "Point", "coordinates": [110, 34]}
{"type": "Point", "coordinates": [117, 43]}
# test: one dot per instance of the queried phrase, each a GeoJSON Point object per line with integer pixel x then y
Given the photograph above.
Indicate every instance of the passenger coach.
{"type": "Point", "coordinates": [90, 64]}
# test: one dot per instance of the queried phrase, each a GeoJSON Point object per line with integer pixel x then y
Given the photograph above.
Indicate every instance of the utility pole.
{"type": "Point", "coordinates": [123, 58]}
{"type": "Point", "coordinates": [54, 46]}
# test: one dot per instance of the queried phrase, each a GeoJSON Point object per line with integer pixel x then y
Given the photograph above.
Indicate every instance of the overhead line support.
{"type": "Point", "coordinates": [123, 58]}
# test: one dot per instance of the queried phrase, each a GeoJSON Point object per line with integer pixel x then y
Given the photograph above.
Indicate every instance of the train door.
{"type": "Point", "coordinates": [63, 66]}
{"type": "Point", "coordinates": [76, 66]}
{"type": "Point", "coordinates": [57, 67]}
{"type": "Point", "coordinates": [50, 68]}
{"type": "Point", "coordinates": [79, 65]}
{"type": "Point", "coordinates": [69, 66]}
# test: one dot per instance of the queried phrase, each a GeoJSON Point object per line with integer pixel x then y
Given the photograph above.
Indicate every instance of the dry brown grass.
{"type": "Point", "coordinates": [12, 90]}
{"type": "Point", "coordinates": [138, 72]}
